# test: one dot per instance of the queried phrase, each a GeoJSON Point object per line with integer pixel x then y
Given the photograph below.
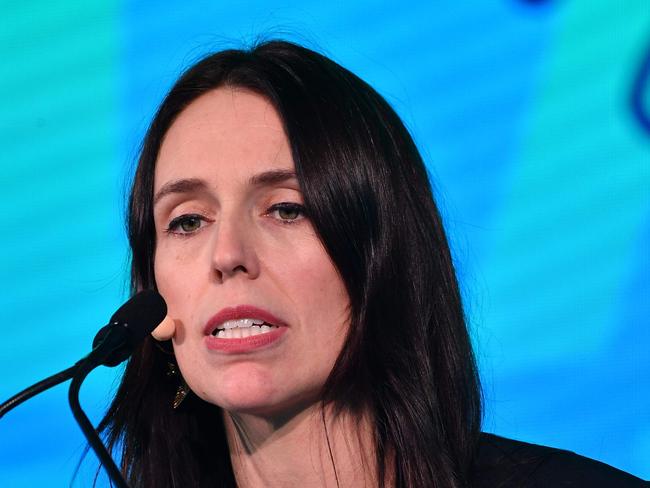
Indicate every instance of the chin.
{"type": "Point", "coordinates": [261, 395]}
{"type": "Point", "coordinates": [242, 389]}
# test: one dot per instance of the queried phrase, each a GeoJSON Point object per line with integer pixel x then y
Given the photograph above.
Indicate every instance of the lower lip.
{"type": "Point", "coordinates": [245, 344]}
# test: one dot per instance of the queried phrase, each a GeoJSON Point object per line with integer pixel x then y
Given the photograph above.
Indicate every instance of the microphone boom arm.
{"type": "Point", "coordinates": [114, 343]}
{"type": "Point", "coordinates": [37, 388]}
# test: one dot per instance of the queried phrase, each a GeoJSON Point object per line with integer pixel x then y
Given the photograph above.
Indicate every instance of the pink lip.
{"type": "Point", "coordinates": [245, 344]}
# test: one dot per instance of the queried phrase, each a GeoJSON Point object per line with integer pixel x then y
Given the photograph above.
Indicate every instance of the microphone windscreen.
{"type": "Point", "coordinates": [141, 314]}
{"type": "Point", "coordinates": [136, 319]}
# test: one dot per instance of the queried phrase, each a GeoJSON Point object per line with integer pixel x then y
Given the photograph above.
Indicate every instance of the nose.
{"type": "Point", "coordinates": [234, 250]}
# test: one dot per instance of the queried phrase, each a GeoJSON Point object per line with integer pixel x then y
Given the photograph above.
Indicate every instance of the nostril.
{"type": "Point", "coordinates": [221, 274]}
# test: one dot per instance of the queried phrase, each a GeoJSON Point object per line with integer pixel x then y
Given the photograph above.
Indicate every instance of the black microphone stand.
{"type": "Point", "coordinates": [114, 343]}
{"type": "Point", "coordinates": [87, 428]}
{"type": "Point", "coordinates": [111, 341]}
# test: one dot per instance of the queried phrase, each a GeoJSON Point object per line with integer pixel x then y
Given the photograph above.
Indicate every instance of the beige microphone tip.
{"type": "Point", "coordinates": [165, 330]}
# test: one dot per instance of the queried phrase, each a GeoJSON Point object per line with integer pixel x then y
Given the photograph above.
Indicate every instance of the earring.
{"type": "Point", "coordinates": [182, 390]}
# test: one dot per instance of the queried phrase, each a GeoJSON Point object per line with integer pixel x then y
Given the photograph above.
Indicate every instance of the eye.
{"type": "Point", "coordinates": [287, 212]}
{"type": "Point", "coordinates": [185, 224]}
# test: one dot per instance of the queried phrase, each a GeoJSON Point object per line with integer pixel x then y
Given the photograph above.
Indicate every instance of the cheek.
{"type": "Point", "coordinates": [327, 291]}
{"type": "Point", "coordinates": [318, 291]}
{"type": "Point", "coordinates": [176, 288]}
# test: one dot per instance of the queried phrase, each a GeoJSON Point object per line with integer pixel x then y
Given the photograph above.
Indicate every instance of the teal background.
{"type": "Point", "coordinates": [522, 110]}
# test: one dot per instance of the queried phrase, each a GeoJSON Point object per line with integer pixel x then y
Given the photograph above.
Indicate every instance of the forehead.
{"type": "Point", "coordinates": [227, 131]}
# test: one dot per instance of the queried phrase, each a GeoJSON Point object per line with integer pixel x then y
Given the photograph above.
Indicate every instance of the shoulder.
{"type": "Point", "coordinates": [507, 463]}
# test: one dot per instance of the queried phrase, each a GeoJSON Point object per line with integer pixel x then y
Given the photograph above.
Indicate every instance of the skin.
{"type": "Point", "coordinates": [236, 246]}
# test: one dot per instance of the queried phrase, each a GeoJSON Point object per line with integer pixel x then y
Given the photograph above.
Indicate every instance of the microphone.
{"type": "Point", "coordinates": [128, 327]}
{"type": "Point", "coordinates": [114, 343]}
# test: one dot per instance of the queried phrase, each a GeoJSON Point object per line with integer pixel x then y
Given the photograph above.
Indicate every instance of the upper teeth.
{"type": "Point", "coordinates": [231, 324]}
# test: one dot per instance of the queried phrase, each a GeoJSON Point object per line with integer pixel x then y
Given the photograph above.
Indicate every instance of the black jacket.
{"type": "Point", "coordinates": [505, 463]}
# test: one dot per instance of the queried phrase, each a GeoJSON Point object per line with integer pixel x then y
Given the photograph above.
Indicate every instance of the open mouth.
{"type": "Point", "coordinates": [241, 328]}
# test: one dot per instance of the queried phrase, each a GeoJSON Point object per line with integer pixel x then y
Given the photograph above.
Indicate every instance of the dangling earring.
{"type": "Point", "coordinates": [182, 390]}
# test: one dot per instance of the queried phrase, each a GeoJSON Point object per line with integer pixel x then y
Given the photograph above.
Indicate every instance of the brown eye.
{"type": "Point", "coordinates": [287, 212]}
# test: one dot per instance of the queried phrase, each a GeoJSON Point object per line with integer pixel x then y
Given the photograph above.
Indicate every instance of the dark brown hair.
{"type": "Point", "coordinates": [407, 361]}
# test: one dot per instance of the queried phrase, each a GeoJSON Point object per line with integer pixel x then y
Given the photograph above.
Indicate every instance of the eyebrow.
{"type": "Point", "coordinates": [193, 185]}
{"type": "Point", "coordinates": [272, 177]}
{"type": "Point", "coordinates": [187, 185]}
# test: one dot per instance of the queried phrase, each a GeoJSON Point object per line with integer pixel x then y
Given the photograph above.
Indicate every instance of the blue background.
{"type": "Point", "coordinates": [530, 116]}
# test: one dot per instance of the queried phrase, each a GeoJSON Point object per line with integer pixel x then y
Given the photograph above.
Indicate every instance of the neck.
{"type": "Point", "coordinates": [310, 449]}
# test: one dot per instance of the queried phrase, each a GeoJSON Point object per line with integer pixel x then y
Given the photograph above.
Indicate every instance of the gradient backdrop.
{"type": "Point", "coordinates": [532, 116]}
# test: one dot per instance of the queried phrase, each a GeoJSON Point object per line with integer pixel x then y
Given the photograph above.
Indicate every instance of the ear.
{"type": "Point", "coordinates": [165, 329]}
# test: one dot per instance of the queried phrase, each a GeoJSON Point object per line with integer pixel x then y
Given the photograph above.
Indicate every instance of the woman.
{"type": "Point", "coordinates": [318, 339]}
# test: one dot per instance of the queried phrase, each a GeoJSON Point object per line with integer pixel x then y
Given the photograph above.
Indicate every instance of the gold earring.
{"type": "Point", "coordinates": [182, 390]}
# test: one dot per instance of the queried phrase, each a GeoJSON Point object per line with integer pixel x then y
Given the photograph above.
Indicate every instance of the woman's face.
{"type": "Point", "coordinates": [236, 252]}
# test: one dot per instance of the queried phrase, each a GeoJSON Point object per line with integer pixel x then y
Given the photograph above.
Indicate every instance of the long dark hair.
{"type": "Point", "coordinates": [407, 362]}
